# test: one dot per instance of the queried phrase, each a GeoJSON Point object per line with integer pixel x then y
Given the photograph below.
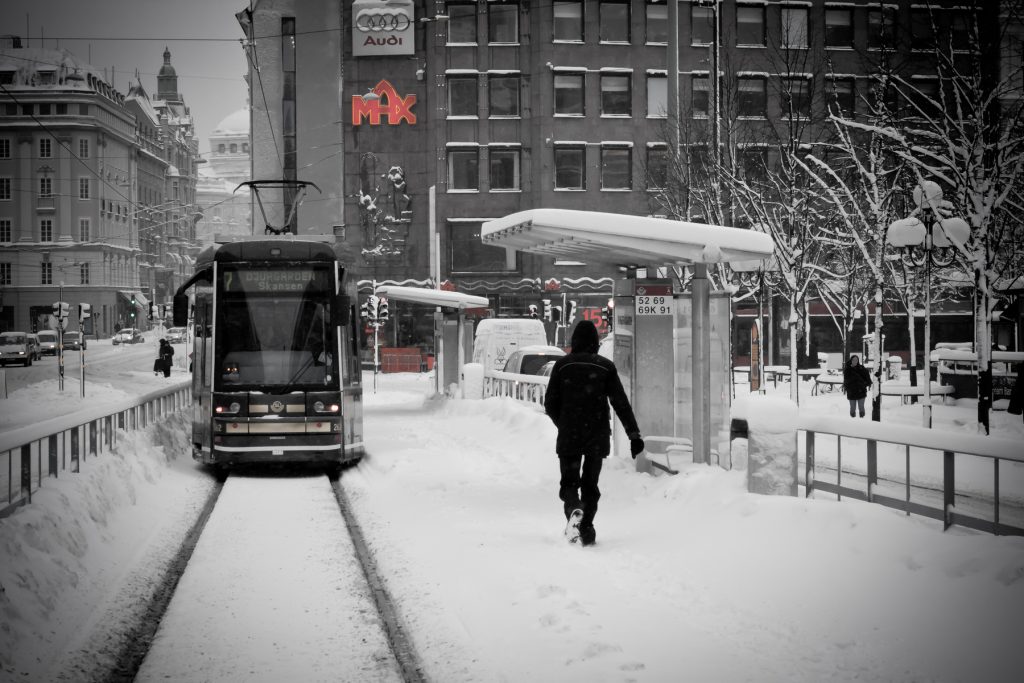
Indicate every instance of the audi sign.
{"type": "Point", "coordinates": [382, 27]}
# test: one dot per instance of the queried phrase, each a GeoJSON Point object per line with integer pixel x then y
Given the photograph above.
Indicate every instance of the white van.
{"type": "Point", "coordinates": [497, 338]}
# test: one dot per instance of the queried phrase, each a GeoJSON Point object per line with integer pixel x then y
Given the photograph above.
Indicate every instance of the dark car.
{"type": "Point", "coordinates": [74, 341]}
{"type": "Point", "coordinates": [128, 335]}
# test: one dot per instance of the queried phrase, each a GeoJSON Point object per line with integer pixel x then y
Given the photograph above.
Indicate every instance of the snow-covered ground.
{"type": "Point", "coordinates": [692, 578]}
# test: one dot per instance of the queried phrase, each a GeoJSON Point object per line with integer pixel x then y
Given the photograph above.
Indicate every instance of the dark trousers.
{"type": "Point", "coordinates": [578, 487]}
{"type": "Point", "coordinates": [167, 367]}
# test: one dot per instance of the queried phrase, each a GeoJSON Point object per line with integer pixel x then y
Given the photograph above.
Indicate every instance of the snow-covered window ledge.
{"type": "Point", "coordinates": [462, 117]}
{"type": "Point", "coordinates": [463, 191]}
{"type": "Point", "coordinates": [505, 190]}
{"type": "Point", "coordinates": [473, 44]}
{"type": "Point", "coordinates": [570, 189]}
{"type": "Point", "coordinates": [569, 116]}
{"type": "Point", "coordinates": [616, 189]}
{"type": "Point", "coordinates": [504, 117]}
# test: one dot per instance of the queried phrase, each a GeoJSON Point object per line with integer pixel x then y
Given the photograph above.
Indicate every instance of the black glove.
{"type": "Point", "coordinates": [636, 446]}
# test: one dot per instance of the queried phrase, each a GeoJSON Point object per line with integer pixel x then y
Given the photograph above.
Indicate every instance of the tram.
{"type": "Point", "coordinates": [275, 371]}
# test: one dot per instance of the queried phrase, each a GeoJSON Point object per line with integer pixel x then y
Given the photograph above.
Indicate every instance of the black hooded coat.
{"type": "Point", "coordinates": [581, 386]}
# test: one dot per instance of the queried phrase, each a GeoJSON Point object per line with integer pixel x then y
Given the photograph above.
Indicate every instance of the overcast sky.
{"type": "Point", "coordinates": [210, 72]}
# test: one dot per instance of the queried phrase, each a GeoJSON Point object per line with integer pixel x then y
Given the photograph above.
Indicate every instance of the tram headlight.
{"type": "Point", "coordinates": [232, 409]}
{"type": "Point", "coordinates": [321, 407]}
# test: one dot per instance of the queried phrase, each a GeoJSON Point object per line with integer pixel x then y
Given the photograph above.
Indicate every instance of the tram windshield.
{"type": "Point", "coordinates": [273, 329]}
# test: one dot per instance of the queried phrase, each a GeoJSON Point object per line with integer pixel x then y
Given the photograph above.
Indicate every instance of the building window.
{"type": "Point", "coordinates": [503, 22]}
{"type": "Point", "coordinates": [503, 95]}
{"type": "Point", "coordinates": [753, 161]}
{"type": "Point", "coordinates": [234, 148]}
{"type": "Point", "coordinates": [5, 189]}
{"type": "Point", "coordinates": [83, 273]}
{"type": "Point", "coordinates": [83, 188]}
{"type": "Point", "coordinates": [838, 28]}
{"type": "Point", "coordinates": [462, 94]}
{"type": "Point", "coordinates": [83, 110]}
{"type": "Point", "coordinates": [83, 148]}
{"type": "Point", "coordinates": [5, 274]}
{"type": "Point", "coordinates": [44, 108]}
{"type": "Point", "coordinates": [960, 31]}
{"type": "Point", "coordinates": [569, 94]}
{"type": "Point", "coordinates": [45, 148]}
{"type": "Point", "coordinates": [616, 95]}
{"type": "Point", "coordinates": [245, 148]}
{"type": "Point", "coordinates": [46, 273]}
{"type": "Point", "coordinates": [222, 148]}
{"type": "Point", "coordinates": [657, 95]}
{"type": "Point", "coordinates": [46, 78]}
{"type": "Point", "coordinates": [750, 28]}
{"type": "Point", "coordinates": [657, 167]}
{"type": "Point", "coordinates": [753, 97]}
{"type": "Point", "coordinates": [504, 168]}
{"type": "Point", "coordinates": [616, 168]}
{"type": "Point", "coordinates": [796, 97]}
{"type": "Point", "coordinates": [5, 148]}
{"type": "Point", "coordinates": [700, 95]}
{"type": "Point", "coordinates": [83, 229]}
{"type": "Point", "coordinates": [880, 28]}
{"type": "Point", "coordinates": [922, 30]}
{"type": "Point", "coordinates": [614, 22]}
{"type": "Point", "coordinates": [6, 77]}
{"type": "Point", "coordinates": [570, 167]}
{"type": "Point", "coordinates": [462, 169]}
{"type": "Point", "coordinates": [5, 230]}
{"type": "Point", "coordinates": [46, 230]}
{"type": "Point", "coordinates": [461, 23]}
{"type": "Point", "coordinates": [924, 97]}
{"type": "Point", "coordinates": [60, 109]}
{"type": "Point", "coordinates": [794, 27]}
{"type": "Point", "coordinates": [843, 101]}
{"type": "Point", "coordinates": [568, 21]}
{"type": "Point", "coordinates": [469, 254]}
{"type": "Point", "coordinates": [656, 22]}
{"type": "Point", "coordinates": [46, 186]}
{"type": "Point", "coordinates": [702, 25]}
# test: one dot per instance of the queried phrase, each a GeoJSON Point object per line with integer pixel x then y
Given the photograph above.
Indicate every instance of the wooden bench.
{"type": "Point", "coordinates": [905, 391]}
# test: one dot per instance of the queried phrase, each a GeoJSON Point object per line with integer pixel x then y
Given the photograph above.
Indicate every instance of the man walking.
{"type": "Point", "coordinates": [579, 390]}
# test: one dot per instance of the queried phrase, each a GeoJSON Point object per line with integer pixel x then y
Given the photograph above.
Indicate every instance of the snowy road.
{"type": "Point", "coordinates": [278, 579]}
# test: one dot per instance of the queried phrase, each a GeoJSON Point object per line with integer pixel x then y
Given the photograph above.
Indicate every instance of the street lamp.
{"type": "Point", "coordinates": [930, 241]}
{"type": "Point", "coordinates": [750, 274]}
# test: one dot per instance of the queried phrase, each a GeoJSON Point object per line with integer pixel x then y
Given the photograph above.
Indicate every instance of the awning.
{"type": "Point", "coordinates": [140, 298]}
{"type": "Point", "coordinates": [433, 297]}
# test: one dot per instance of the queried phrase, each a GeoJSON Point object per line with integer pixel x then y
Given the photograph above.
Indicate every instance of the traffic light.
{"type": "Point", "coordinates": [364, 310]}
{"type": "Point", "coordinates": [556, 314]}
{"type": "Point", "coordinates": [84, 312]}
{"type": "Point", "coordinates": [606, 316]}
{"type": "Point", "coordinates": [65, 309]}
{"type": "Point", "coordinates": [152, 310]}
{"type": "Point", "coordinates": [533, 310]}
{"type": "Point", "coordinates": [382, 309]}
{"type": "Point", "coordinates": [56, 309]}
{"type": "Point", "coordinates": [571, 317]}
{"type": "Point", "coordinates": [547, 308]}
{"type": "Point", "coordinates": [370, 307]}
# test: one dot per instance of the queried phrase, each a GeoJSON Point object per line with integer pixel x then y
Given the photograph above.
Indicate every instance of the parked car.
{"type": "Point", "coordinates": [47, 342]}
{"type": "Point", "coordinates": [529, 360]}
{"type": "Point", "coordinates": [74, 341]}
{"type": "Point", "coordinates": [15, 348]}
{"type": "Point", "coordinates": [176, 335]}
{"type": "Point", "coordinates": [128, 335]}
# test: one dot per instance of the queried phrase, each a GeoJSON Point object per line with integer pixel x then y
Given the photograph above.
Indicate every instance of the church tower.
{"type": "Point", "coordinates": [167, 81]}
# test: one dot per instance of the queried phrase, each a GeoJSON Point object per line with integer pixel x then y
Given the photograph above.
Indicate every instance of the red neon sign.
{"type": "Point", "coordinates": [392, 106]}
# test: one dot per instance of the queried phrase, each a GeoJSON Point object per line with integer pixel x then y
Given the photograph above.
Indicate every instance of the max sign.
{"type": "Point", "coordinates": [382, 27]}
{"type": "Point", "coordinates": [389, 105]}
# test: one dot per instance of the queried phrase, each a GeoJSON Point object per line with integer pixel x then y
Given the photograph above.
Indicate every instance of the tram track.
{"type": "Point", "coordinates": [156, 643]}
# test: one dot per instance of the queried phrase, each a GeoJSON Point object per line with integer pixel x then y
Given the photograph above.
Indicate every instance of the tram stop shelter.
{"type": "Point", "coordinates": [643, 242]}
{"type": "Point", "coordinates": [450, 329]}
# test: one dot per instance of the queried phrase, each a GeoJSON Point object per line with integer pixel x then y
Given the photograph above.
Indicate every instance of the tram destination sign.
{"type": "Point", "coordinates": [275, 280]}
{"type": "Point", "coordinates": [654, 300]}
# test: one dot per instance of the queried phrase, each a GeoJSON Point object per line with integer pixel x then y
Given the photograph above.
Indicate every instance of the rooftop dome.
{"type": "Point", "coordinates": [235, 123]}
{"type": "Point", "coordinates": [167, 69]}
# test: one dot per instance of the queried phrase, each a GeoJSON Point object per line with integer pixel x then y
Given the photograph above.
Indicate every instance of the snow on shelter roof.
{"type": "Point", "coordinates": [623, 240]}
{"type": "Point", "coordinates": [432, 297]}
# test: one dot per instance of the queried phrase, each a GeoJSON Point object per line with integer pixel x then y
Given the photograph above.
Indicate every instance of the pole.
{"type": "Point", "coordinates": [60, 337]}
{"type": "Point", "coordinates": [700, 336]}
{"type": "Point", "coordinates": [927, 413]}
{"type": "Point", "coordinates": [760, 336]}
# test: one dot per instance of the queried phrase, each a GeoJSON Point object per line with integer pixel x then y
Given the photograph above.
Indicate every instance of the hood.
{"type": "Point", "coordinates": [585, 337]}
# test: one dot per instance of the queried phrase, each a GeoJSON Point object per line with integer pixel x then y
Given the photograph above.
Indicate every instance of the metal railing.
{"type": "Point", "coordinates": [24, 466]}
{"type": "Point", "coordinates": [952, 504]}
{"type": "Point", "coordinates": [528, 388]}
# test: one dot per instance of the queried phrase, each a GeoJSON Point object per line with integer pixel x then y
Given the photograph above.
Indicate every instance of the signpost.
{"type": "Point", "coordinates": [756, 361]}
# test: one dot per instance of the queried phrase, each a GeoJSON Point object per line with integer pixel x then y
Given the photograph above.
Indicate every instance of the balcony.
{"type": "Point", "coordinates": [46, 204]}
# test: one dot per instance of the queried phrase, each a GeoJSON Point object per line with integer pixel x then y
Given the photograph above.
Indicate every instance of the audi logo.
{"type": "Point", "coordinates": [374, 23]}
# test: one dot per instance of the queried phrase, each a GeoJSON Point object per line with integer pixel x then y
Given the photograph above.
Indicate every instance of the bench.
{"type": "Point", "coordinates": [826, 382]}
{"type": "Point", "coordinates": [905, 391]}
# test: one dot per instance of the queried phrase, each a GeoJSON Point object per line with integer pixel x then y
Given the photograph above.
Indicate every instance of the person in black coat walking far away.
{"type": "Point", "coordinates": [856, 379]}
{"type": "Point", "coordinates": [166, 355]}
{"type": "Point", "coordinates": [580, 388]}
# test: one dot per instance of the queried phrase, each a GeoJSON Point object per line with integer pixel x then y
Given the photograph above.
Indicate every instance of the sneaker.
{"type": "Point", "coordinates": [572, 529]}
{"type": "Point", "coordinates": [588, 536]}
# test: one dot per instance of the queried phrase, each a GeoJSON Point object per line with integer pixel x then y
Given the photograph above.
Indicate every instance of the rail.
{"type": "Point", "coordinates": [945, 444]}
{"type": "Point", "coordinates": [528, 388]}
{"type": "Point", "coordinates": [28, 455]}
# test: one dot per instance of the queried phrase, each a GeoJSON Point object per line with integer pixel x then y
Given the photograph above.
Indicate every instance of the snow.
{"type": "Point", "coordinates": [691, 578]}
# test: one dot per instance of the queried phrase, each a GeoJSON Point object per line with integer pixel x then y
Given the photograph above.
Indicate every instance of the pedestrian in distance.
{"type": "Point", "coordinates": [580, 387]}
{"type": "Point", "coordinates": [166, 357]}
{"type": "Point", "coordinates": [856, 380]}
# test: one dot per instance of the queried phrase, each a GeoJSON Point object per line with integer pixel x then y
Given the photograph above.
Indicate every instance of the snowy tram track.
{"type": "Point", "coordinates": [280, 586]}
